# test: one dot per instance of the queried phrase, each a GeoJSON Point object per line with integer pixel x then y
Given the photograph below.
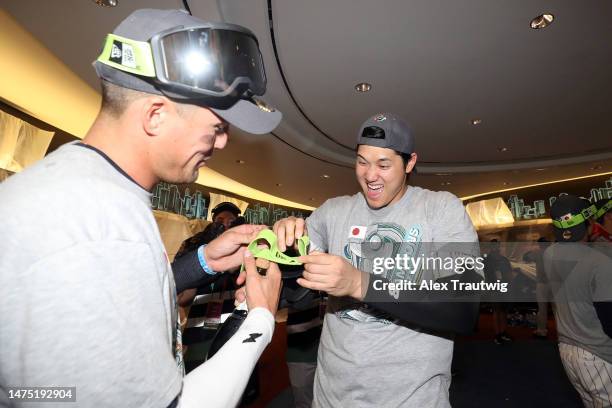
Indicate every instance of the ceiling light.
{"type": "Point", "coordinates": [476, 122]}
{"type": "Point", "coordinates": [363, 87]}
{"type": "Point", "coordinates": [445, 183]}
{"type": "Point", "coordinates": [325, 176]}
{"type": "Point", "coordinates": [444, 174]}
{"type": "Point", "coordinates": [106, 3]}
{"type": "Point", "coordinates": [240, 161]}
{"type": "Point", "coordinates": [502, 149]}
{"type": "Point", "coordinates": [597, 167]}
{"type": "Point", "coordinates": [542, 21]}
{"type": "Point", "coordinates": [311, 198]}
{"type": "Point", "coordinates": [278, 184]}
{"type": "Point", "coordinates": [542, 169]}
{"type": "Point", "coordinates": [506, 183]}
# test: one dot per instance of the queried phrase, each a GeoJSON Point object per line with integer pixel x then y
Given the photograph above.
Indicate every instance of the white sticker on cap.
{"type": "Point", "coordinates": [380, 118]}
{"type": "Point", "coordinates": [127, 58]}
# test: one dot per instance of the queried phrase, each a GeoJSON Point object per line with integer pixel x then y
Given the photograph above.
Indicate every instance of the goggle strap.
{"type": "Point", "coordinates": [576, 219]}
{"type": "Point", "coordinates": [272, 253]}
{"type": "Point", "coordinates": [128, 55]}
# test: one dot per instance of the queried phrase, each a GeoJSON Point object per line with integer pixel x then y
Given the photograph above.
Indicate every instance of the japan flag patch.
{"type": "Point", "coordinates": [357, 232]}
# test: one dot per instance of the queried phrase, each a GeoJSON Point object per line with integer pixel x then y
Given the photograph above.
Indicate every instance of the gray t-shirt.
{"type": "Point", "coordinates": [86, 289]}
{"type": "Point", "coordinates": [367, 359]}
{"type": "Point", "coordinates": [579, 275]}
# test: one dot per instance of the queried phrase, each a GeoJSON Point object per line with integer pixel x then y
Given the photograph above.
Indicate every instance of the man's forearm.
{"type": "Point", "coordinates": [220, 382]}
{"type": "Point", "coordinates": [188, 272]}
{"type": "Point", "coordinates": [452, 313]}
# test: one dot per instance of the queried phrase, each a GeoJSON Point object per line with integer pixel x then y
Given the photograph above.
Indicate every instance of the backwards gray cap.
{"type": "Point", "coordinates": [387, 130]}
{"type": "Point", "coordinates": [141, 25]}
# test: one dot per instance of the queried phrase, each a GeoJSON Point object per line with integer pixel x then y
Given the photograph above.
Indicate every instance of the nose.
{"type": "Point", "coordinates": [371, 174]}
{"type": "Point", "coordinates": [221, 141]}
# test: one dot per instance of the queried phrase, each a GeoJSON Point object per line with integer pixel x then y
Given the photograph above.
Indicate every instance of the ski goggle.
{"type": "Point", "coordinates": [218, 61]}
{"type": "Point", "coordinates": [571, 220]}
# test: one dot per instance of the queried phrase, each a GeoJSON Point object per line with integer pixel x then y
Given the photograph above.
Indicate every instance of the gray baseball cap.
{"type": "Point", "coordinates": [251, 115]}
{"type": "Point", "coordinates": [387, 130]}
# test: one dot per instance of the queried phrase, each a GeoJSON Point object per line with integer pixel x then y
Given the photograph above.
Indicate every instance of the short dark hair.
{"type": "Point", "coordinates": [116, 99]}
{"type": "Point", "coordinates": [406, 157]}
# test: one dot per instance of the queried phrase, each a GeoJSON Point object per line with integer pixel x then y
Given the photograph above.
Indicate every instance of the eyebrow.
{"type": "Point", "coordinates": [384, 159]}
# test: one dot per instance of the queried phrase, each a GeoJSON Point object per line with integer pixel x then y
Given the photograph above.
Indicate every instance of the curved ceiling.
{"type": "Point", "coordinates": [541, 94]}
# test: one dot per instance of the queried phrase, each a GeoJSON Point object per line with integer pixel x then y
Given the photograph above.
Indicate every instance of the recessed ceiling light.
{"type": "Point", "coordinates": [444, 174]}
{"type": "Point", "coordinates": [502, 149]}
{"type": "Point", "coordinates": [106, 3]}
{"type": "Point", "coordinates": [278, 184]}
{"type": "Point", "coordinates": [445, 183]}
{"type": "Point", "coordinates": [311, 198]}
{"type": "Point", "coordinates": [325, 176]}
{"type": "Point", "coordinates": [596, 167]}
{"type": "Point", "coordinates": [542, 169]}
{"type": "Point", "coordinates": [476, 122]}
{"type": "Point", "coordinates": [240, 161]}
{"type": "Point", "coordinates": [506, 183]}
{"type": "Point", "coordinates": [542, 21]}
{"type": "Point", "coordinates": [363, 87]}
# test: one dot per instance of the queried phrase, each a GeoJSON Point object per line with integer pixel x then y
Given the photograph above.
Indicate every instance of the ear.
{"type": "Point", "coordinates": [155, 111]}
{"type": "Point", "coordinates": [411, 163]}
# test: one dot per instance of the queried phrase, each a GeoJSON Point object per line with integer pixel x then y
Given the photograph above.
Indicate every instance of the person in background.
{"type": "Point", "coordinates": [580, 279]}
{"type": "Point", "coordinates": [542, 289]}
{"type": "Point", "coordinates": [225, 213]}
{"type": "Point", "coordinates": [497, 267]}
{"type": "Point", "coordinates": [601, 222]}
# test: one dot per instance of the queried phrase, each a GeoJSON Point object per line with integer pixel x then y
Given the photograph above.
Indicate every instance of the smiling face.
{"type": "Point", "coordinates": [191, 134]}
{"type": "Point", "coordinates": [382, 175]}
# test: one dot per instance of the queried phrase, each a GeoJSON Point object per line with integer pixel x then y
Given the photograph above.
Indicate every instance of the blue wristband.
{"type": "Point", "coordinates": [202, 260]}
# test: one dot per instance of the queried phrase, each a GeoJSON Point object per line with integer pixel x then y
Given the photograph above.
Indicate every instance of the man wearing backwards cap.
{"type": "Point", "coordinates": [376, 350]}
{"type": "Point", "coordinates": [87, 295]}
{"type": "Point", "coordinates": [580, 279]}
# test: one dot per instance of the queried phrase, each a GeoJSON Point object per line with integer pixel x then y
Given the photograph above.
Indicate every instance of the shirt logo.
{"type": "Point", "coordinates": [252, 337]}
{"type": "Point", "coordinates": [357, 232]}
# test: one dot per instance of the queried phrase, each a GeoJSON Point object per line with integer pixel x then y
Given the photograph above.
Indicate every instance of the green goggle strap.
{"type": "Point", "coordinates": [576, 219]}
{"type": "Point", "coordinates": [272, 253]}
{"type": "Point", "coordinates": [128, 55]}
{"type": "Point", "coordinates": [604, 209]}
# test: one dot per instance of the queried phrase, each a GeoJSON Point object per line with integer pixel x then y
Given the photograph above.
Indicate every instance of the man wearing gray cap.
{"type": "Point", "coordinates": [377, 350]}
{"type": "Point", "coordinates": [87, 295]}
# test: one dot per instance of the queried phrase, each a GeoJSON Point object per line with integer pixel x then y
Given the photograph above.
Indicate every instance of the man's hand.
{"type": "Point", "coordinates": [331, 274]}
{"type": "Point", "coordinates": [260, 291]}
{"type": "Point", "coordinates": [226, 251]}
{"type": "Point", "coordinates": [288, 230]}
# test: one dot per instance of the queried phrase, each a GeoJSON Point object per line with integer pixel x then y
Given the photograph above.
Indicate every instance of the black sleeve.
{"type": "Point", "coordinates": [188, 273]}
{"type": "Point", "coordinates": [604, 313]}
{"type": "Point", "coordinates": [454, 312]}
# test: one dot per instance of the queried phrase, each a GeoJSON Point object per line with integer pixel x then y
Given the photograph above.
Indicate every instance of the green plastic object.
{"type": "Point", "coordinates": [272, 253]}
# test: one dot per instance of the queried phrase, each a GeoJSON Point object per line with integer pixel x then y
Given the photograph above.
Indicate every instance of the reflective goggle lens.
{"type": "Point", "coordinates": [213, 60]}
